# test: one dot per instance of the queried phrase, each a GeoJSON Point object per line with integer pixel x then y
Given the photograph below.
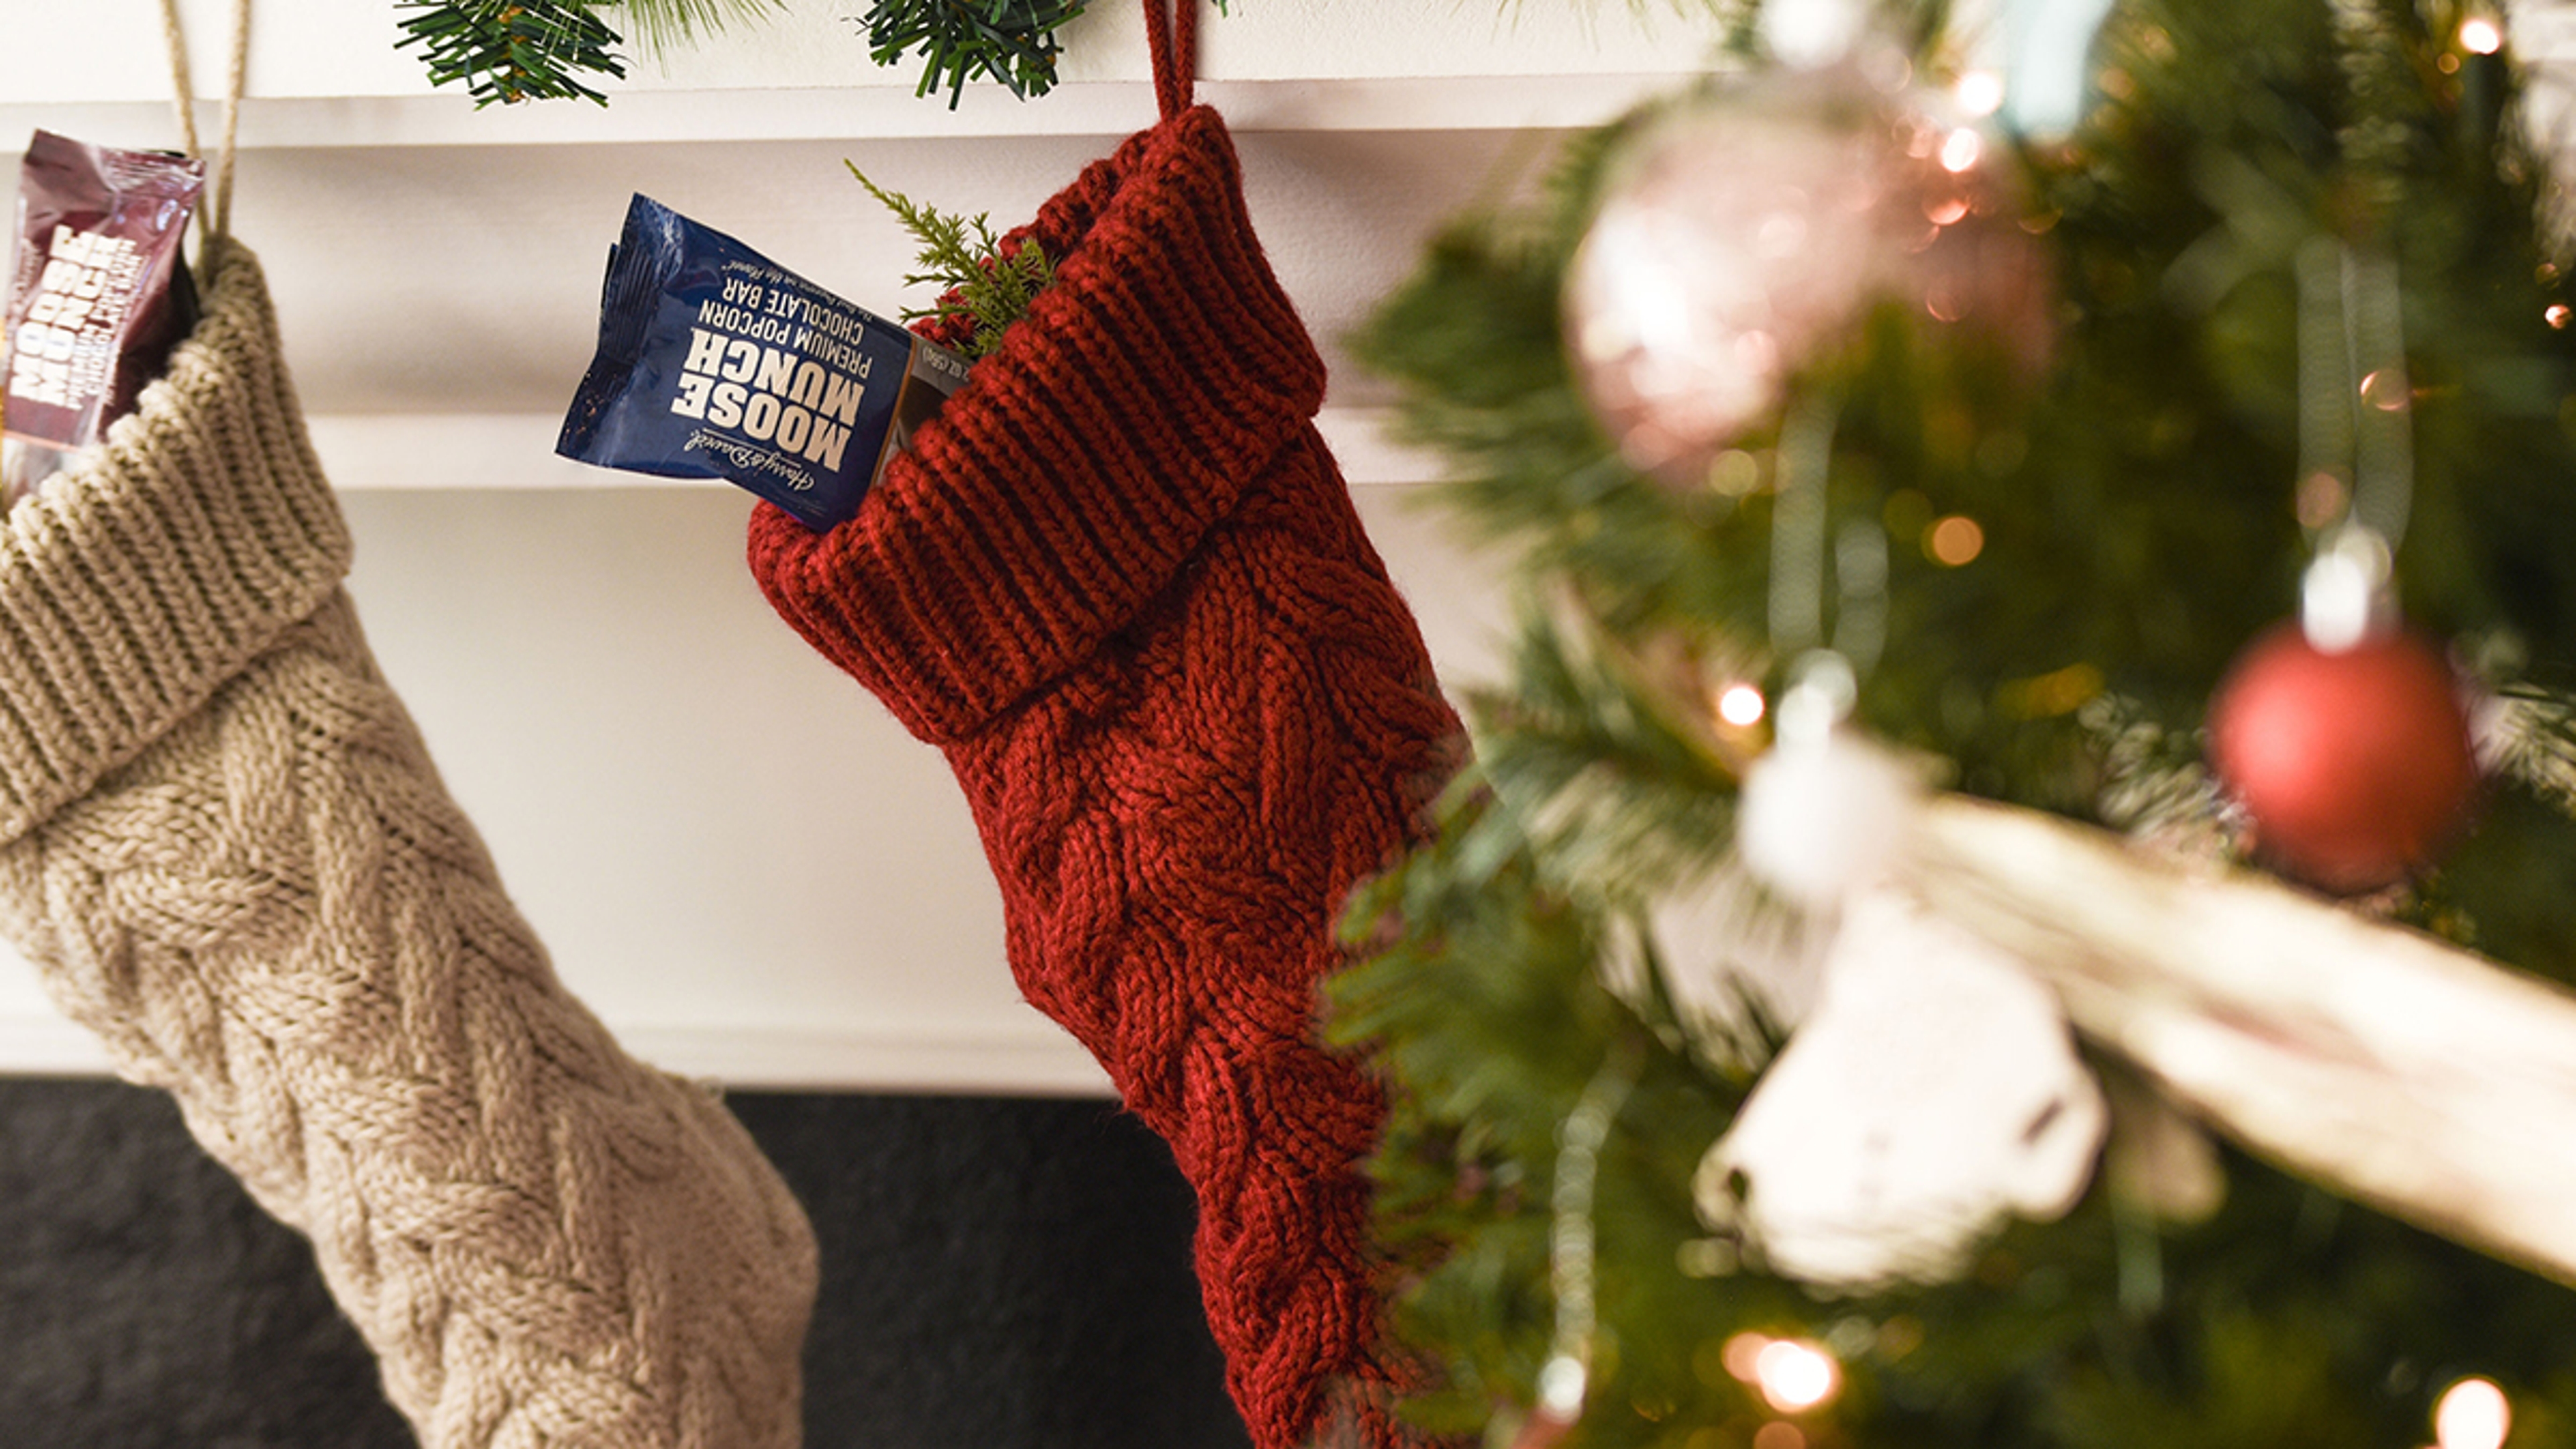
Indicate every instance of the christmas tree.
{"type": "Point", "coordinates": [2012, 893]}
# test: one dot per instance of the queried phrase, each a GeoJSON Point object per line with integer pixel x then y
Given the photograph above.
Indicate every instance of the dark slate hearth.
{"type": "Point", "coordinates": [997, 1274]}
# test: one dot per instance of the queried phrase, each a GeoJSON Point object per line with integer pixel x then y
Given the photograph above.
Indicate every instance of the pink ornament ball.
{"type": "Point", "coordinates": [1743, 238]}
{"type": "Point", "coordinates": [2355, 767]}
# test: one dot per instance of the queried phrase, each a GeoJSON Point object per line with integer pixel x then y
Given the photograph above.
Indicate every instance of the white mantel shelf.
{"type": "Point", "coordinates": [1094, 109]}
{"type": "Point", "coordinates": [329, 73]}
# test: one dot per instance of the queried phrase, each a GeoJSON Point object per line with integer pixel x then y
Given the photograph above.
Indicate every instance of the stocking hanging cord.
{"type": "Point", "coordinates": [217, 218]}
{"type": "Point", "coordinates": [1175, 43]}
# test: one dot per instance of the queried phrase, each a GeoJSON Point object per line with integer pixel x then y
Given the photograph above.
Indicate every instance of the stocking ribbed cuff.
{"type": "Point", "coordinates": [1064, 486]}
{"type": "Point", "coordinates": [148, 573]}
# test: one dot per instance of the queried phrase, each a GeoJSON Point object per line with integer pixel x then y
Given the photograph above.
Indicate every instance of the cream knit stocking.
{"type": "Point", "coordinates": [228, 853]}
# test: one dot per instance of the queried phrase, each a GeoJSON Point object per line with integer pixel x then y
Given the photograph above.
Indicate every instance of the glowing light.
{"type": "Point", "coordinates": [2339, 589]}
{"type": "Point", "coordinates": [1779, 1434]}
{"type": "Point", "coordinates": [2556, 314]}
{"type": "Point", "coordinates": [1561, 1386]}
{"type": "Point", "coordinates": [2473, 1414]}
{"type": "Point", "coordinates": [1783, 233]}
{"type": "Point", "coordinates": [1979, 93]}
{"type": "Point", "coordinates": [2322, 498]}
{"type": "Point", "coordinates": [1795, 1376]}
{"type": "Point", "coordinates": [1944, 210]}
{"type": "Point", "coordinates": [2386, 390]}
{"type": "Point", "coordinates": [1960, 150]}
{"type": "Point", "coordinates": [1954, 540]}
{"type": "Point", "coordinates": [1741, 705]}
{"type": "Point", "coordinates": [2047, 696]}
{"type": "Point", "coordinates": [1744, 1355]}
{"type": "Point", "coordinates": [2480, 36]}
{"type": "Point", "coordinates": [1735, 473]}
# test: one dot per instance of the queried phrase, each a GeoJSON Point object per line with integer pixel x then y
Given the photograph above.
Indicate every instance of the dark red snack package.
{"type": "Point", "coordinates": [98, 295]}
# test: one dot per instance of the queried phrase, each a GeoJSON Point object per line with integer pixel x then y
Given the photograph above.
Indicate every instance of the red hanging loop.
{"type": "Point", "coordinates": [1175, 46]}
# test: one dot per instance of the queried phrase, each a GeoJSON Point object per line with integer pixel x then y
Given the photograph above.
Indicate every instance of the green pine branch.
{"type": "Point", "coordinates": [1010, 41]}
{"type": "Point", "coordinates": [523, 50]}
{"type": "Point", "coordinates": [1601, 757]}
{"type": "Point", "coordinates": [1487, 1006]}
{"type": "Point", "coordinates": [664, 26]}
{"type": "Point", "coordinates": [984, 282]}
{"type": "Point", "coordinates": [507, 51]}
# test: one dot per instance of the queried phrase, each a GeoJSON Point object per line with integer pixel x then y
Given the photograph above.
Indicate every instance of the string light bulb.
{"type": "Point", "coordinates": [2472, 1414]}
{"type": "Point", "coordinates": [1795, 1375]}
{"type": "Point", "coordinates": [1741, 705]}
{"type": "Point", "coordinates": [1955, 541]}
{"type": "Point", "coordinates": [1960, 150]}
{"type": "Point", "coordinates": [1978, 93]}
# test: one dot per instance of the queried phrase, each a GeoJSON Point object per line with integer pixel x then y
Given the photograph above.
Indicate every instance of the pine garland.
{"type": "Point", "coordinates": [1010, 41]}
{"type": "Point", "coordinates": [509, 51]}
{"type": "Point", "coordinates": [524, 50]}
{"type": "Point", "coordinates": [666, 25]}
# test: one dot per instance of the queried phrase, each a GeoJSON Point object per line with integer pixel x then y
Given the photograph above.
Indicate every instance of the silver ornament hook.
{"type": "Point", "coordinates": [2346, 595]}
{"type": "Point", "coordinates": [1822, 690]}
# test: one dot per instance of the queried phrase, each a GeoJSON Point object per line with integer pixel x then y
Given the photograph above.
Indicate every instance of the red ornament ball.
{"type": "Point", "coordinates": [2356, 767]}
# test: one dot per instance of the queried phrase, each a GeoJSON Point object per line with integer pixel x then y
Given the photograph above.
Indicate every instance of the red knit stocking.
{"type": "Point", "coordinates": [1120, 583]}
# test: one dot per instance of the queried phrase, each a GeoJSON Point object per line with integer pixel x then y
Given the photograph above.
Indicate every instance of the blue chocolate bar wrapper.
{"type": "Point", "coordinates": [715, 362]}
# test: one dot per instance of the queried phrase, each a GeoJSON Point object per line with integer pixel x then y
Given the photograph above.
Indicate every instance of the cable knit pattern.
{"type": "Point", "coordinates": [227, 851]}
{"type": "Point", "coordinates": [1120, 582]}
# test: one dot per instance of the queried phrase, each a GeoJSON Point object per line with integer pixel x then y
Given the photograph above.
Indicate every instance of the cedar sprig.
{"type": "Point", "coordinates": [982, 281]}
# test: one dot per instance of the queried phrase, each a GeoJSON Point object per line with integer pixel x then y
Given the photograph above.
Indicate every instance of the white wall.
{"type": "Point", "coordinates": [732, 851]}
